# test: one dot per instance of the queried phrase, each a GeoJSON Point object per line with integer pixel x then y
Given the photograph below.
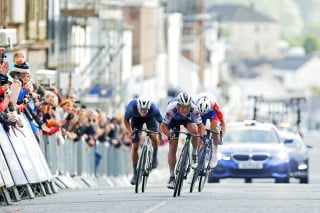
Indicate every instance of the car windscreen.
{"type": "Point", "coordinates": [248, 135]}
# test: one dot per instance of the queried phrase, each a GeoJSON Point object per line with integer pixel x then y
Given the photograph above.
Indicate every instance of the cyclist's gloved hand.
{"type": "Point", "coordinates": [134, 131]}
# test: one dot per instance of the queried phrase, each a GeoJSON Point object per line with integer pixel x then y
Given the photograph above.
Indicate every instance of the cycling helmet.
{"type": "Point", "coordinates": [204, 105]}
{"type": "Point", "coordinates": [143, 103]}
{"type": "Point", "coordinates": [184, 99]}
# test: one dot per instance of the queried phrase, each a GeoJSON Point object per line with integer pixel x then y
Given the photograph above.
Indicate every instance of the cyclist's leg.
{"type": "Point", "coordinates": [215, 125]}
{"type": "Point", "coordinates": [192, 128]}
{"type": "Point", "coordinates": [152, 124]}
{"type": "Point", "coordinates": [173, 145]}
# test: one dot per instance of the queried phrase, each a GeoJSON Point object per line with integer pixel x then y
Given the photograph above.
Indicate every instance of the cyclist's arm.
{"type": "Point", "coordinates": [164, 129]}
{"type": "Point", "coordinates": [157, 115]}
{"type": "Point", "coordinates": [201, 129]}
{"type": "Point", "coordinates": [223, 126]}
{"type": "Point", "coordinates": [127, 125]}
{"type": "Point", "coordinates": [220, 117]}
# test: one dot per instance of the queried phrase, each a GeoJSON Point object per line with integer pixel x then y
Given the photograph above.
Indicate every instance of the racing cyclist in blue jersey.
{"type": "Point", "coordinates": [139, 112]}
{"type": "Point", "coordinates": [210, 110]}
{"type": "Point", "coordinates": [181, 111]}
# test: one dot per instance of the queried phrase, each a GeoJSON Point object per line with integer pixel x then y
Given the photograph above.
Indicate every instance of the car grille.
{"type": "Point", "coordinates": [244, 172]}
{"type": "Point", "coordinates": [254, 157]}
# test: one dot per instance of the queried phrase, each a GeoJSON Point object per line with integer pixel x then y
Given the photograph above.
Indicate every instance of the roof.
{"type": "Point", "coordinates": [291, 62]}
{"type": "Point", "coordinates": [264, 85]}
{"type": "Point", "coordinates": [237, 13]}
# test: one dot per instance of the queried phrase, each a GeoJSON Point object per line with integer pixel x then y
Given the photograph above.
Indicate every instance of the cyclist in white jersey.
{"type": "Point", "coordinates": [181, 111]}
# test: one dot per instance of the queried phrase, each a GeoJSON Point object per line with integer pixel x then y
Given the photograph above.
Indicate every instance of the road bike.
{"type": "Point", "coordinates": [183, 166]}
{"type": "Point", "coordinates": [205, 155]}
{"type": "Point", "coordinates": [144, 165]}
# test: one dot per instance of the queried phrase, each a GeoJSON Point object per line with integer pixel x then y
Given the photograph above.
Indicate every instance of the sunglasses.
{"type": "Point", "coordinates": [93, 120]}
{"type": "Point", "coordinates": [185, 106]}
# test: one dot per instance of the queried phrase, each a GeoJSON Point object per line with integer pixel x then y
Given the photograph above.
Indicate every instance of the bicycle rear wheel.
{"type": "Point", "coordinates": [181, 170]}
{"type": "Point", "coordinates": [147, 170]}
{"type": "Point", "coordinates": [141, 167]}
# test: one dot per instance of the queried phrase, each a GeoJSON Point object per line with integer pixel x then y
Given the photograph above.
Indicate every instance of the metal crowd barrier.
{"type": "Point", "coordinates": [24, 171]}
{"type": "Point", "coordinates": [29, 169]}
{"type": "Point", "coordinates": [75, 158]}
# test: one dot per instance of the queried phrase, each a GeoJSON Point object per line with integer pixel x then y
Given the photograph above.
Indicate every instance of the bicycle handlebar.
{"type": "Point", "coordinates": [134, 131]}
{"type": "Point", "coordinates": [215, 132]}
{"type": "Point", "coordinates": [212, 131]}
{"type": "Point", "coordinates": [188, 134]}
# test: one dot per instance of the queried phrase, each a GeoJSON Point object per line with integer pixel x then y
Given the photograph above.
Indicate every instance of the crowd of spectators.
{"type": "Point", "coordinates": [50, 113]}
{"type": "Point", "coordinates": [70, 120]}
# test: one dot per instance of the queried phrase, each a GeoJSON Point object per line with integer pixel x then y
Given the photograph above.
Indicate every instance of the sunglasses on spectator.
{"type": "Point", "coordinates": [93, 120]}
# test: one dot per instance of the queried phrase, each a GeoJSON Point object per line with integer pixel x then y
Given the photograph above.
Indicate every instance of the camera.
{"type": "Point", "coordinates": [2, 55]}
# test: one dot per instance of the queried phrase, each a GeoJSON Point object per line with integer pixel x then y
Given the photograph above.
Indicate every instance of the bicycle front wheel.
{"type": "Point", "coordinates": [199, 168]}
{"type": "Point", "coordinates": [205, 169]}
{"type": "Point", "coordinates": [181, 171]}
{"type": "Point", "coordinates": [141, 167]}
{"type": "Point", "coordinates": [147, 170]}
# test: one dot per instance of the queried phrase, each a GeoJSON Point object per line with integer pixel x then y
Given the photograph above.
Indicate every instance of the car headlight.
{"type": "Point", "coordinates": [223, 156]}
{"type": "Point", "coordinates": [302, 166]}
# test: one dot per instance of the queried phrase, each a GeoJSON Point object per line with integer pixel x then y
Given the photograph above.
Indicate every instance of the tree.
{"type": "Point", "coordinates": [311, 44]}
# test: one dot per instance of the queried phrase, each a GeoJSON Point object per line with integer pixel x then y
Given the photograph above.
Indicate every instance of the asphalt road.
{"type": "Point", "coordinates": [223, 197]}
{"type": "Point", "coordinates": [227, 196]}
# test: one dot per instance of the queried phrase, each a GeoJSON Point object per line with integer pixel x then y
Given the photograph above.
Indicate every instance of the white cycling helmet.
{"type": "Point", "coordinates": [143, 103]}
{"type": "Point", "coordinates": [204, 105]}
{"type": "Point", "coordinates": [184, 99]}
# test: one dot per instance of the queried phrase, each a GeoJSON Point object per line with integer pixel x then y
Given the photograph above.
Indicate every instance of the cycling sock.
{"type": "Point", "coordinates": [171, 172]}
{"type": "Point", "coordinates": [194, 151]}
{"type": "Point", "coordinates": [155, 151]}
{"type": "Point", "coordinates": [134, 169]}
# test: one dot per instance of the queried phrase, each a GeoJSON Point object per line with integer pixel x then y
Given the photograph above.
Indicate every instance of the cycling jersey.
{"type": "Point", "coordinates": [173, 114]}
{"type": "Point", "coordinates": [132, 112]}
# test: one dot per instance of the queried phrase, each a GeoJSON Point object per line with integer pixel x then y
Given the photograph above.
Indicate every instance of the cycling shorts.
{"type": "Point", "coordinates": [137, 123]}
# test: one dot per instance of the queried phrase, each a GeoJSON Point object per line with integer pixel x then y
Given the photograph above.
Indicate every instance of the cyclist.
{"type": "Point", "coordinates": [209, 109]}
{"type": "Point", "coordinates": [138, 112]}
{"type": "Point", "coordinates": [181, 111]}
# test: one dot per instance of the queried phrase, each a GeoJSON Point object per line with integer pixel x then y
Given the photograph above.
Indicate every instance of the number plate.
{"type": "Point", "coordinates": [250, 165]}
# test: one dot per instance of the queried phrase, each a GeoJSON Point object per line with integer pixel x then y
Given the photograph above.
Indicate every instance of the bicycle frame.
{"type": "Point", "coordinates": [205, 156]}
{"type": "Point", "coordinates": [183, 165]}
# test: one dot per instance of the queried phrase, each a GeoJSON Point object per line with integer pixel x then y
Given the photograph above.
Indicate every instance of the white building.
{"type": "Point", "coordinates": [298, 73]}
{"type": "Point", "coordinates": [251, 34]}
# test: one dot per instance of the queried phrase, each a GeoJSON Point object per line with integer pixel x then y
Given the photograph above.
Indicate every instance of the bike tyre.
{"type": "Point", "coordinates": [177, 180]}
{"type": "Point", "coordinates": [182, 171]}
{"type": "Point", "coordinates": [147, 170]}
{"type": "Point", "coordinates": [205, 170]}
{"type": "Point", "coordinates": [141, 167]}
{"type": "Point", "coordinates": [197, 170]}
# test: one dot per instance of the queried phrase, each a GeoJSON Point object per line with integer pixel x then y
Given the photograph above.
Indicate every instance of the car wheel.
{"type": "Point", "coordinates": [213, 180]}
{"type": "Point", "coordinates": [248, 180]}
{"type": "Point", "coordinates": [282, 180]}
{"type": "Point", "coordinates": [304, 180]}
